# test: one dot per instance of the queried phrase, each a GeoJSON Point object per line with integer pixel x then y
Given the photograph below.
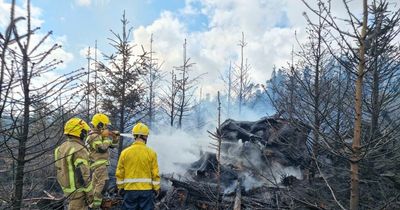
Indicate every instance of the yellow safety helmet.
{"type": "Point", "coordinates": [100, 121]}
{"type": "Point", "coordinates": [76, 127]}
{"type": "Point", "coordinates": [140, 129]}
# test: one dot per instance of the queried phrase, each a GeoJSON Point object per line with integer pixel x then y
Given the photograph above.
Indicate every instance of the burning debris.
{"type": "Point", "coordinates": [260, 160]}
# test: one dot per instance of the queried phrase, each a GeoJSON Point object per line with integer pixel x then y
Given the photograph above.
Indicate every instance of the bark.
{"type": "Point", "coordinates": [19, 176]}
{"type": "Point", "coordinates": [356, 153]}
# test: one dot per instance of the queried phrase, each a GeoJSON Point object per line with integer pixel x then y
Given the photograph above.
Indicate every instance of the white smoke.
{"type": "Point", "coordinates": [280, 171]}
{"type": "Point", "coordinates": [176, 149]}
{"type": "Point", "coordinates": [256, 170]}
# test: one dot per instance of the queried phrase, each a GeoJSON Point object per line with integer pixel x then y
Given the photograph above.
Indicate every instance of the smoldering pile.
{"type": "Point", "coordinates": [259, 161]}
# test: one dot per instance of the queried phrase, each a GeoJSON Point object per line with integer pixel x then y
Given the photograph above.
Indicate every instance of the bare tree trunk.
{"type": "Point", "coordinates": [356, 153]}
{"type": "Point", "coordinates": [95, 77]}
{"type": "Point", "coordinates": [151, 97]}
{"type": "Point", "coordinates": [88, 87]}
{"type": "Point", "coordinates": [317, 92]}
{"type": "Point", "coordinates": [3, 58]}
{"type": "Point", "coordinates": [173, 97]}
{"type": "Point", "coordinates": [242, 44]}
{"type": "Point", "coordinates": [375, 101]}
{"type": "Point", "coordinates": [122, 120]}
{"type": "Point", "coordinates": [19, 176]}
{"type": "Point", "coordinates": [183, 87]}
{"type": "Point", "coordinates": [122, 106]}
{"type": "Point", "coordinates": [219, 139]}
{"type": "Point", "coordinates": [375, 105]}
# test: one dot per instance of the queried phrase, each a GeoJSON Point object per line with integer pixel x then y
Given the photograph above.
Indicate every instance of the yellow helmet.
{"type": "Point", "coordinates": [140, 129]}
{"type": "Point", "coordinates": [76, 127]}
{"type": "Point", "coordinates": [100, 120]}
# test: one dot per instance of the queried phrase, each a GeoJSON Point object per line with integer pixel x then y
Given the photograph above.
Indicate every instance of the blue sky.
{"type": "Point", "coordinates": [212, 29]}
{"type": "Point", "coordinates": [83, 24]}
{"type": "Point", "coordinates": [86, 23]}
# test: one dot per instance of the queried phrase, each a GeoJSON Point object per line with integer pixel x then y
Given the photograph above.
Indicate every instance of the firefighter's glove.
{"type": "Point", "coordinates": [106, 133]}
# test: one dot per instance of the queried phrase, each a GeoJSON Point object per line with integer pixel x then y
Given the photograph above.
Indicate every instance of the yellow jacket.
{"type": "Point", "coordinates": [138, 168]}
{"type": "Point", "coordinates": [71, 161]}
{"type": "Point", "coordinates": [99, 148]}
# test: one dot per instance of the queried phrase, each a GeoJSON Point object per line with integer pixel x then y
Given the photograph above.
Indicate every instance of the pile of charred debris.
{"type": "Point", "coordinates": [264, 165]}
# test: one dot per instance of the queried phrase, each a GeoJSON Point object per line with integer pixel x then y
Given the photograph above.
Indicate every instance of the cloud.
{"type": "Point", "coordinates": [189, 9]}
{"type": "Point", "coordinates": [83, 2]}
{"type": "Point", "coordinates": [168, 34]}
{"type": "Point", "coordinates": [269, 27]}
{"type": "Point", "coordinates": [265, 24]}
{"type": "Point", "coordinates": [87, 3]}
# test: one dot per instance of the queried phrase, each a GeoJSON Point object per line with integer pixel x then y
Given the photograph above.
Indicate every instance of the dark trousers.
{"type": "Point", "coordinates": [138, 200]}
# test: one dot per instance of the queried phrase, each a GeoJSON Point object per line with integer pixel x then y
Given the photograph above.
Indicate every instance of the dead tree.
{"type": "Point", "coordinates": [229, 89]}
{"type": "Point", "coordinates": [169, 99]}
{"type": "Point", "coordinates": [316, 64]}
{"type": "Point", "coordinates": [327, 95]}
{"type": "Point", "coordinates": [31, 126]}
{"type": "Point", "coordinates": [359, 44]}
{"type": "Point", "coordinates": [92, 91]}
{"type": "Point", "coordinates": [153, 83]}
{"type": "Point", "coordinates": [217, 146]}
{"type": "Point", "coordinates": [88, 86]}
{"type": "Point", "coordinates": [186, 87]}
{"type": "Point", "coordinates": [95, 77]}
{"type": "Point", "coordinates": [241, 78]}
{"type": "Point", "coordinates": [356, 153]}
{"type": "Point", "coordinates": [383, 53]}
{"type": "Point", "coordinates": [227, 80]}
{"type": "Point", "coordinates": [7, 76]}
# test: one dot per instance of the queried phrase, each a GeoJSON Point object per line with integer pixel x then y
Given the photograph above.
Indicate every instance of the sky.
{"type": "Point", "coordinates": [212, 29]}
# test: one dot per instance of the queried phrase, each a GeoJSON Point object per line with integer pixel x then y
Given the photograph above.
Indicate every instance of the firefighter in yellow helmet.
{"type": "Point", "coordinates": [100, 140]}
{"type": "Point", "coordinates": [137, 172]}
{"type": "Point", "coordinates": [72, 165]}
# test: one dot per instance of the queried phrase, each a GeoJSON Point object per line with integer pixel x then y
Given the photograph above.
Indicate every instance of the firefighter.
{"type": "Point", "coordinates": [137, 172]}
{"type": "Point", "coordinates": [72, 165]}
{"type": "Point", "coordinates": [100, 140]}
